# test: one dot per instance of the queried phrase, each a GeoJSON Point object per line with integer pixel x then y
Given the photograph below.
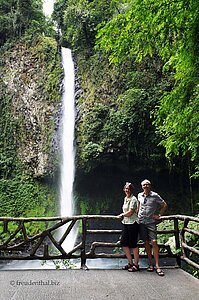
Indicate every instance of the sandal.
{"type": "Point", "coordinates": [150, 268]}
{"type": "Point", "coordinates": [127, 267]}
{"type": "Point", "coordinates": [134, 268]}
{"type": "Point", "coordinates": [159, 272]}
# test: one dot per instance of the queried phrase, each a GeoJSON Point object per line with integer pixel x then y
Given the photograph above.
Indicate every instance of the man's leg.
{"type": "Point", "coordinates": [156, 253]}
{"type": "Point", "coordinates": [148, 252]}
{"type": "Point", "coordinates": [156, 257]}
{"type": "Point", "coordinates": [144, 236]}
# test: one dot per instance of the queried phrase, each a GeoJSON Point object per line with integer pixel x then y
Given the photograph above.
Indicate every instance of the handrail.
{"type": "Point", "coordinates": [17, 243]}
{"type": "Point", "coordinates": [187, 250]}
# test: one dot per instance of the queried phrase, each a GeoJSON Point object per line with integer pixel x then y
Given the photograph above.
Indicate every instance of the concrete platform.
{"type": "Point", "coordinates": [97, 284]}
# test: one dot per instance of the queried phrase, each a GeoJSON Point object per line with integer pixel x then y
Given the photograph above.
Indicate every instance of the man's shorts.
{"type": "Point", "coordinates": [148, 232]}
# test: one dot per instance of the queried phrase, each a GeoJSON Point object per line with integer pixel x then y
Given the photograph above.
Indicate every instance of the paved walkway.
{"type": "Point", "coordinates": [97, 285]}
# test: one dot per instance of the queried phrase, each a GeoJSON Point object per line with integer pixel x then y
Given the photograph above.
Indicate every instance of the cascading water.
{"type": "Point", "coordinates": [68, 125]}
{"type": "Point", "coordinates": [48, 6]}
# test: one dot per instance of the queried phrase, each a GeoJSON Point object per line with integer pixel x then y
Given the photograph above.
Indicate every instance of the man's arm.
{"type": "Point", "coordinates": [163, 207]}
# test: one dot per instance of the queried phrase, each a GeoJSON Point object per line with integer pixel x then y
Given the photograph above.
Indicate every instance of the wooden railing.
{"type": "Point", "coordinates": [18, 243]}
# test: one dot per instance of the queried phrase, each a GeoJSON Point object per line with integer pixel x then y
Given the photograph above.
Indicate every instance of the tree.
{"type": "Point", "coordinates": [171, 30]}
{"type": "Point", "coordinates": [18, 16]}
{"type": "Point", "coordinates": [78, 20]}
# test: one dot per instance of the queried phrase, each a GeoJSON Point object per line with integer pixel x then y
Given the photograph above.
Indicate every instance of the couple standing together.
{"type": "Point", "coordinates": [139, 217]}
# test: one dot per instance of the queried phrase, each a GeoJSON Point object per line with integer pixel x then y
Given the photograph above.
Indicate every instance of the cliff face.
{"type": "Point", "coordinates": [31, 78]}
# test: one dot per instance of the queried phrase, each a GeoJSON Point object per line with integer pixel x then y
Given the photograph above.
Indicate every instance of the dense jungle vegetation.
{"type": "Point", "coordinates": [136, 97]}
{"type": "Point", "coordinates": [144, 56]}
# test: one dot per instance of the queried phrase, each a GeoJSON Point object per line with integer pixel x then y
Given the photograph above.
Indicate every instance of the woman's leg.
{"type": "Point", "coordinates": [135, 266]}
{"type": "Point", "coordinates": [127, 252]}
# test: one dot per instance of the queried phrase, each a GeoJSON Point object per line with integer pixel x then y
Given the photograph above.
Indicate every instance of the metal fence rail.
{"type": "Point", "coordinates": [39, 238]}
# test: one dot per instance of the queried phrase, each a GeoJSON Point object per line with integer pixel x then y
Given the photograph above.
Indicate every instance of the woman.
{"type": "Point", "coordinates": [129, 236]}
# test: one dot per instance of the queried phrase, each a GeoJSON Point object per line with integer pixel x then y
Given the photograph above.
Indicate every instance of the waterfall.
{"type": "Point", "coordinates": [68, 153]}
{"type": "Point", "coordinates": [48, 6]}
{"type": "Point", "coordinates": [68, 119]}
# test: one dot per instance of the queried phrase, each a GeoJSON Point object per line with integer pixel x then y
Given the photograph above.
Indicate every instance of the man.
{"type": "Point", "coordinates": [148, 203]}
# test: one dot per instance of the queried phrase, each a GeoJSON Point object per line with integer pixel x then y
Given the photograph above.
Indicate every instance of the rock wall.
{"type": "Point", "coordinates": [32, 78]}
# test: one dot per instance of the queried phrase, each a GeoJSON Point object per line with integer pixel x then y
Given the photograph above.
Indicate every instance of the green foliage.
{"type": "Point", "coordinates": [8, 141]}
{"type": "Point", "coordinates": [87, 207]}
{"type": "Point", "coordinates": [33, 62]}
{"type": "Point", "coordinates": [24, 197]}
{"type": "Point", "coordinates": [167, 239]}
{"type": "Point", "coordinates": [20, 194]}
{"type": "Point", "coordinates": [91, 151]}
{"type": "Point", "coordinates": [191, 240]}
{"type": "Point", "coordinates": [169, 29]}
{"type": "Point", "coordinates": [84, 206]}
{"type": "Point", "coordinates": [147, 27]}
{"type": "Point", "coordinates": [123, 129]}
{"type": "Point", "coordinates": [60, 263]}
{"type": "Point", "coordinates": [177, 121]}
{"type": "Point", "coordinates": [47, 47]}
{"type": "Point", "coordinates": [19, 16]}
{"type": "Point", "coordinates": [101, 133]}
{"type": "Point", "coordinates": [79, 20]}
{"type": "Point", "coordinates": [128, 123]}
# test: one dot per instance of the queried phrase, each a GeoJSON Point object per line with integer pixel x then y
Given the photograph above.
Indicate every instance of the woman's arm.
{"type": "Point", "coordinates": [128, 213]}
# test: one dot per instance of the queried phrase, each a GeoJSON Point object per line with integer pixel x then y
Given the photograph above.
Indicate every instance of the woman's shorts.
{"type": "Point", "coordinates": [129, 236]}
{"type": "Point", "coordinates": [148, 232]}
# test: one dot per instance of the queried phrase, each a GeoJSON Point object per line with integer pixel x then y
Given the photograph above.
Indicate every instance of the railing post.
{"type": "Point", "coordinates": [184, 251]}
{"type": "Point", "coordinates": [177, 241]}
{"type": "Point", "coordinates": [83, 251]}
{"type": "Point", "coordinates": [5, 226]}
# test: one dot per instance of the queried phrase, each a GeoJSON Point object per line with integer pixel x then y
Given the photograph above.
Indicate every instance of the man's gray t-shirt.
{"type": "Point", "coordinates": [148, 206]}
